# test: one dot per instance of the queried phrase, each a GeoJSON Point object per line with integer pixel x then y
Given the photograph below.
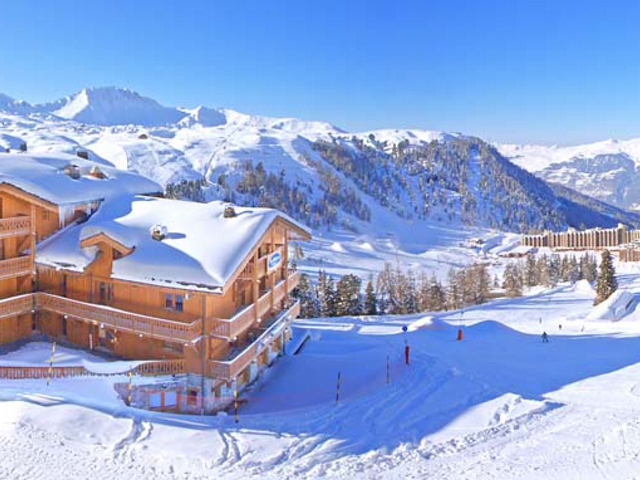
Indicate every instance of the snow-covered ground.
{"type": "Point", "coordinates": [498, 404]}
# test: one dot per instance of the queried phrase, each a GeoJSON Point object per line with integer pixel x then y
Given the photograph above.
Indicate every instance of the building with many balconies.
{"type": "Point", "coordinates": [592, 239]}
{"type": "Point", "coordinates": [94, 257]}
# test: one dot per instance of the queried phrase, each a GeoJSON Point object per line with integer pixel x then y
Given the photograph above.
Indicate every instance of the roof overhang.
{"type": "Point", "coordinates": [98, 238]}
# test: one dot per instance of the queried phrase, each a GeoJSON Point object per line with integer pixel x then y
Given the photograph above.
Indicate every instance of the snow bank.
{"type": "Point", "coordinates": [583, 286]}
{"type": "Point", "coordinates": [613, 308]}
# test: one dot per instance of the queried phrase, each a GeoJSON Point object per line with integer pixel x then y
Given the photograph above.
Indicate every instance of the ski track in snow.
{"type": "Point", "coordinates": [455, 413]}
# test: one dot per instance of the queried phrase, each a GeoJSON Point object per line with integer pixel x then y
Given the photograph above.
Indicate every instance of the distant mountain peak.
{"type": "Point", "coordinates": [114, 106]}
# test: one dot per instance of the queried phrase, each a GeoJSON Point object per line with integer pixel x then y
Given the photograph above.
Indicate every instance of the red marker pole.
{"type": "Point", "coordinates": [406, 353]}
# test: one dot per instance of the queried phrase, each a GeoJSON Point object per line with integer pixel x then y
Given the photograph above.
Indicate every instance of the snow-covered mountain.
{"type": "Point", "coordinates": [395, 180]}
{"type": "Point", "coordinates": [608, 170]}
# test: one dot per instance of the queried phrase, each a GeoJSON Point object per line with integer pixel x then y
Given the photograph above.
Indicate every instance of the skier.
{"type": "Point", "coordinates": [560, 326]}
{"type": "Point", "coordinates": [406, 353]}
{"type": "Point", "coordinates": [545, 337]}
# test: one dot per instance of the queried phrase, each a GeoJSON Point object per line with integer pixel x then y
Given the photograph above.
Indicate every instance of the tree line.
{"type": "Point", "coordinates": [395, 290]}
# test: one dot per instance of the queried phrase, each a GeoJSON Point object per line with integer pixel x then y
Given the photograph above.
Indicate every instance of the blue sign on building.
{"type": "Point", "coordinates": [274, 260]}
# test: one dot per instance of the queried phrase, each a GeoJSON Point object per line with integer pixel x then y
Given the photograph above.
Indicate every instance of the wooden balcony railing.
{"type": "Point", "coordinates": [120, 319]}
{"type": "Point", "coordinates": [230, 369]}
{"type": "Point", "coordinates": [19, 305]}
{"type": "Point", "coordinates": [15, 267]}
{"type": "Point", "coordinates": [294, 279]}
{"type": "Point", "coordinates": [161, 367]}
{"type": "Point", "coordinates": [230, 328]}
{"type": "Point", "coordinates": [164, 367]}
{"type": "Point", "coordinates": [15, 226]}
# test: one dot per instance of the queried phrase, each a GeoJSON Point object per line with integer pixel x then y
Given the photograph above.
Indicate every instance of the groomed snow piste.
{"type": "Point", "coordinates": [498, 404]}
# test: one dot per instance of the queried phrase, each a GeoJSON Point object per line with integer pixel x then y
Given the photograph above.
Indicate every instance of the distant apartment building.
{"type": "Point", "coordinates": [592, 239]}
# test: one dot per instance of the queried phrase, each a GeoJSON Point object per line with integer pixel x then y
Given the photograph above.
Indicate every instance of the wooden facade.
{"type": "Point", "coordinates": [220, 335]}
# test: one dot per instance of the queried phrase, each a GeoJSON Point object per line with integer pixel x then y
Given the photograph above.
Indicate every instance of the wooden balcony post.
{"type": "Point", "coordinates": [271, 275]}
{"type": "Point", "coordinates": [256, 286]}
{"type": "Point", "coordinates": [285, 266]}
{"type": "Point", "coordinates": [32, 240]}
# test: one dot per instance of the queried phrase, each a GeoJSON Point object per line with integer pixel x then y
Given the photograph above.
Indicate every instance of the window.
{"type": "Point", "coordinates": [103, 293]}
{"type": "Point", "coordinates": [168, 301]}
{"type": "Point", "coordinates": [179, 304]}
{"type": "Point", "coordinates": [106, 293]}
{"type": "Point", "coordinates": [173, 347]}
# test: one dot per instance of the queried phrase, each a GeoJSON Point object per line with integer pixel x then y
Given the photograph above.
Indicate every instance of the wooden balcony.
{"type": "Point", "coordinates": [15, 226]}
{"type": "Point", "coordinates": [19, 305]}
{"type": "Point", "coordinates": [145, 325]}
{"type": "Point", "coordinates": [231, 328]}
{"type": "Point", "coordinates": [230, 369]}
{"type": "Point", "coordinates": [15, 267]}
{"type": "Point", "coordinates": [247, 273]}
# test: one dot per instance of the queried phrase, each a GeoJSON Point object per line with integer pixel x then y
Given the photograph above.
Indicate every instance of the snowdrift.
{"type": "Point", "coordinates": [615, 307]}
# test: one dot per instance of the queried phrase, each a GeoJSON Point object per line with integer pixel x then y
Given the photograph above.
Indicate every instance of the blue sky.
{"type": "Point", "coordinates": [539, 71]}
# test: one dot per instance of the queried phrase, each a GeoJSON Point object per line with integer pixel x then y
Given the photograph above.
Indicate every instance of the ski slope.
{"type": "Point", "coordinates": [498, 404]}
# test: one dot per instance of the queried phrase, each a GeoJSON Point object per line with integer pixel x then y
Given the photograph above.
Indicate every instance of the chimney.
{"type": "Point", "coordinates": [96, 172]}
{"type": "Point", "coordinates": [72, 170]}
{"type": "Point", "coordinates": [158, 232]}
{"type": "Point", "coordinates": [229, 211]}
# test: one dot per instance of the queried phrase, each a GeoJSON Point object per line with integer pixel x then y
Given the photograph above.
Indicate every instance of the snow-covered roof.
{"type": "Point", "coordinates": [43, 176]}
{"type": "Point", "coordinates": [202, 248]}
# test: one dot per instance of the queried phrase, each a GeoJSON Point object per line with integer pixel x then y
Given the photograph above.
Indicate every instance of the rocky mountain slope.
{"type": "Point", "coordinates": [608, 171]}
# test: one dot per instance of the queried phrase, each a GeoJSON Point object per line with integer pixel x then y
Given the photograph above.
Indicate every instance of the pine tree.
{"type": "Point", "coordinates": [370, 301]}
{"type": "Point", "coordinates": [348, 296]}
{"type": "Point", "coordinates": [454, 290]}
{"type": "Point", "coordinates": [553, 271]}
{"type": "Point", "coordinates": [480, 281]}
{"type": "Point", "coordinates": [386, 289]}
{"type": "Point", "coordinates": [531, 276]}
{"type": "Point", "coordinates": [588, 267]}
{"type": "Point", "coordinates": [573, 270]}
{"type": "Point", "coordinates": [307, 294]}
{"type": "Point", "coordinates": [543, 270]}
{"type": "Point", "coordinates": [437, 298]}
{"type": "Point", "coordinates": [329, 298]}
{"type": "Point", "coordinates": [607, 283]}
{"type": "Point", "coordinates": [409, 299]}
{"type": "Point", "coordinates": [512, 280]}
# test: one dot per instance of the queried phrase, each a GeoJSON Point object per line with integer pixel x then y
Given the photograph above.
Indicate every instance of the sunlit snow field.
{"type": "Point", "coordinates": [498, 404]}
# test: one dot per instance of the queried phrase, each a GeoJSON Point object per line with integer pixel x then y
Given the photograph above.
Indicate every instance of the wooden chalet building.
{"type": "Point", "coordinates": [93, 256]}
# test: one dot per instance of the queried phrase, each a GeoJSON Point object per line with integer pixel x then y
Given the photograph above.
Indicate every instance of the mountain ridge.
{"type": "Point", "coordinates": [328, 177]}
